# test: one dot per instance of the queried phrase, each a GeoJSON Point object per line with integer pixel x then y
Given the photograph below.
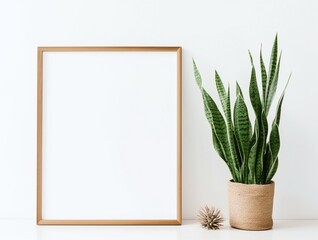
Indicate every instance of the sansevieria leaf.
{"type": "Point", "coordinates": [197, 75]}
{"type": "Point", "coordinates": [242, 133]}
{"type": "Point", "coordinates": [251, 58]}
{"type": "Point", "coordinates": [254, 96]}
{"type": "Point", "coordinates": [272, 86]}
{"type": "Point", "coordinates": [272, 63]}
{"type": "Point", "coordinates": [274, 141]}
{"type": "Point", "coordinates": [217, 146]}
{"type": "Point", "coordinates": [272, 170]}
{"type": "Point", "coordinates": [260, 149]}
{"type": "Point", "coordinates": [280, 102]}
{"type": "Point", "coordinates": [242, 125]}
{"type": "Point", "coordinates": [267, 161]}
{"type": "Point", "coordinates": [223, 97]}
{"type": "Point", "coordinates": [216, 143]}
{"type": "Point", "coordinates": [264, 77]}
{"type": "Point", "coordinates": [272, 153]}
{"type": "Point", "coordinates": [226, 105]}
{"type": "Point", "coordinates": [239, 90]}
{"type": "Point", "coordinates": [258, 109]}
{"type": "Point", "coordinates": [252, 156]}
{"type": "Point", "coordinates": [219, 127]}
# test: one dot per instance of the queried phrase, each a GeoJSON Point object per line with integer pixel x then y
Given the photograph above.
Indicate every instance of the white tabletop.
{"type": "Point", "coordinates": [190, 229]}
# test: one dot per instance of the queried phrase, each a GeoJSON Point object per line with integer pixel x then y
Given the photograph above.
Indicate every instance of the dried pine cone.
{"type": "Point", "coordinates": [210, 218]}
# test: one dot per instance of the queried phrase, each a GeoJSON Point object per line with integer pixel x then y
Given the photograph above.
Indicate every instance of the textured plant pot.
{"type": "Point", "coordinates": [251, 205]}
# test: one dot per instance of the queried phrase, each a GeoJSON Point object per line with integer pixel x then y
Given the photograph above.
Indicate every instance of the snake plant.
{"type": "Point", "coordinates": [251, 153]}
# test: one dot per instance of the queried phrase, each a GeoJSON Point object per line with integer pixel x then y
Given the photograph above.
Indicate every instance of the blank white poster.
{"type": "Point", "coordinates": [109, 135]}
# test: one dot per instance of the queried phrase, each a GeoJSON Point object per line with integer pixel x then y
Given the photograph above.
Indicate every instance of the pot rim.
{"type": "Point", "coordinates": [253, 184]}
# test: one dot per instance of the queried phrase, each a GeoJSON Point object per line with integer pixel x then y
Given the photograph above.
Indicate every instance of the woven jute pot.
{"type": "Point", "coordinates": [251, 205]}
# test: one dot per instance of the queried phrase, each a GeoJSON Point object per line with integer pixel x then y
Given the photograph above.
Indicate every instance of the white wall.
{"type": "Point", "coordinates": [217, 34]}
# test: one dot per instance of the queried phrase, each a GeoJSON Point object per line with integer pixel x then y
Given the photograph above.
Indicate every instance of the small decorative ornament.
{"type": "Point", "coordinates": [210, 218]}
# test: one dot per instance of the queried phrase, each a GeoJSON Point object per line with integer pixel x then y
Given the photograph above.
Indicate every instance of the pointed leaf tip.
{"type": "Point", "coordinates": [216, 73]}
{"type": "Point", "coordinates": [197, 75]}
{"type": "Point", "coordinates": [251, 57]}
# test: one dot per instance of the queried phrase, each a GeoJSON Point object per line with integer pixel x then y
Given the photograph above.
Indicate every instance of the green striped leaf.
{"type": "Point", "coordinates": [216, 143]}
{"type": "Point", "coordinates": [238, 150]}
{"type": "Point", "coordinates": [223, 96]}
{"type": "Point", "coordinates": [217, 146]}
{"type": "Point", "coordinates": [254, 95]}
{"type": "Point", "coordinates": [220, 130]}
{"type": "Point", "coordinates": [263, 126]}
{"type": "Point", "coordinates": [272, 171]}
{"type": "Point", "coordinates": [256, 100]}
{"type": "Point", "coordinates": [274, 141]}
{"type": "Point", "coordinates": [279, 109]}
{"type": "Point", "coordinates": [239, 90]}
{"type": "Point", "coordinates": [226, 105]}
{"type": "Point", "coordinates": [280, 102]}
{"type": "Point", "coordinates": [218, 125]}
{"type": "Point", "coordinates": [272, 63]}
{"type": "Point", "coordinates": [252, 156]}
{"type": "Point", "coordinates": [197, 75]}
{"type": "Point", "coordinates": [264, 78]}
{"type": "Point", "coordinates": [233, 142]}
{"type": "Point", "coordinates": [242, 133]}
{"type": "Point", "coordinates": [267, 162]}
{"type": "Point", "coordinates": [272, 86]}
{"type": "Point", "coordinates": [244, 172]}
{"type": "Point", "coordinates": [251, 58]}
{"type": "Point", "coordinates": [253, 137]}
{"type": "Point", "coordinates": [242, 126]}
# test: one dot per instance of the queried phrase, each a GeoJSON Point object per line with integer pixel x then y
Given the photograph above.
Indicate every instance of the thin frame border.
{"type": "Point", "coordinates": [39, 219]}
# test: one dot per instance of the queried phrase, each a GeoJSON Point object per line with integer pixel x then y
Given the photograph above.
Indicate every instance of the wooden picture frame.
{"type": "Point", "coordinates": [51, 175]}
